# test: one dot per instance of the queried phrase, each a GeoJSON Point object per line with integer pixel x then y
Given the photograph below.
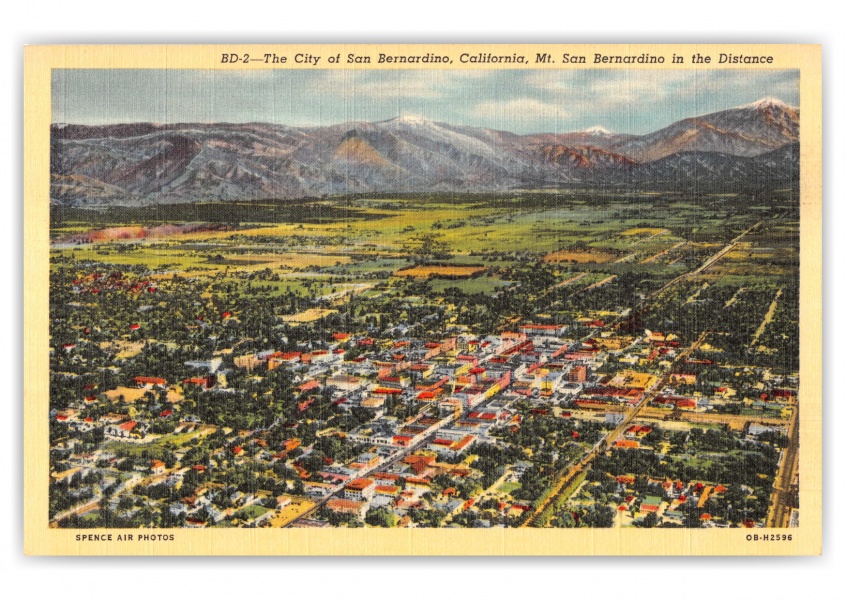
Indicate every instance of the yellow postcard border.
{"type": "Point", "coordinates": [41, 540]}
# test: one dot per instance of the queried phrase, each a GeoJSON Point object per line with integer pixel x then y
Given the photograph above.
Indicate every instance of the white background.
{"type": "Point", "coordinates": [562, 21]}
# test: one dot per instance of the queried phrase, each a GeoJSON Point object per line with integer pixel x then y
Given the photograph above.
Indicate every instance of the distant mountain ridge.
{"type": "Point", "coordinates": [146, 163]}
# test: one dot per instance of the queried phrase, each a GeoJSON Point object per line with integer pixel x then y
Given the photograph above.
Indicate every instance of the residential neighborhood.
{"type": "Point", "coordinates": [539, 425]}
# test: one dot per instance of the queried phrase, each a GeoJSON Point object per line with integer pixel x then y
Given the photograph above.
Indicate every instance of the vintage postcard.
{"type": "Point", "coordinates": [423, 299]}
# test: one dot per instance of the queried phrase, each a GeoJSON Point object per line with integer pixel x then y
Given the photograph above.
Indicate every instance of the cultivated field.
{"type": "Point", "coordinates": [444, 271]}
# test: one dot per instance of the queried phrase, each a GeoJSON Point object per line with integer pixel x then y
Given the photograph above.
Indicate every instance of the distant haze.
{"type": "Point", "coordinates": [521, 101]}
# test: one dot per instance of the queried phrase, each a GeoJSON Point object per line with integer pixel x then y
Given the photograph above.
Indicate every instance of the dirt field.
{"type": "Point", "coordinates": [579, 256]}
{"type": "Point", "coordinates": [297, 507]}
{"type": "Point", "coordinates": [129, 394]}
{"type": "Point", "coordinates": [123, 349]}
{"type": "Point", "coordinates": [133, 394]}
{"type": "Point", "coordinates": [307, 316]}
{"type": "Point", "coordinates": [643, 231]}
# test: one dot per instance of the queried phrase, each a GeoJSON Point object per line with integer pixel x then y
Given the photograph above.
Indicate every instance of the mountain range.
{"type": "Point", "coordinates": [756, 145]}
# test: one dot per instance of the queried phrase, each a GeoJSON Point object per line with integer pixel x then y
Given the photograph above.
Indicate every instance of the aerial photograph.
{"type": "Point", "coordinates": [424, 298]}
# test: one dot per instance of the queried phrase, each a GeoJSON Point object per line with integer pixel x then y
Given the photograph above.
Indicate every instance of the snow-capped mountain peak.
{"type": "Point", "coordinates": [766, 102]}
{"type": "Point", "coordinates": [225, 161]}
{"type": "Point", "coordinates": [597, 130]}
{"type": "Point", "coordinates": [412, 120]}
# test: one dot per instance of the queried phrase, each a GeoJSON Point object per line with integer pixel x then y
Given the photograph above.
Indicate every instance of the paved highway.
{"type": "Point", "coordinates": [703, 267]}
{"type": "Point", "coordinates": [780, 505]}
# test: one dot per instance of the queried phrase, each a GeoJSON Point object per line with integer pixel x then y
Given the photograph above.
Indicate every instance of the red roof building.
{"type": "Point", "coordinates": [309, 385]}
{"type": "Point", "coordinates": [150, 381]}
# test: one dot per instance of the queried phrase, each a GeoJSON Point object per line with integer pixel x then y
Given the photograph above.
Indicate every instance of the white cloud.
{"type": "Point", "coordinates": [625, 100]}
{"type": "Point", "coordinates": [400, 84]}
{"type": "Point", "coordinates": [349, 83]}
{"type": "Point", "coordinates": [674, 94]}
{"type": "Point", "coordinates": [382, 85]}
{"type": "Point", "coordinates": [525, 108]}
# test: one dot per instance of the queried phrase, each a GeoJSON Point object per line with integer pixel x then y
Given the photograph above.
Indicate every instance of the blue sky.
{"type": "Point", "coordinates": [523, 101]}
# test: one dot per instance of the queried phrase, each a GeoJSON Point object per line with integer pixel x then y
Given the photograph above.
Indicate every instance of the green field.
{"type": "Point", "coordinates": [325, 253]}
{"type": "Point", "coordinates": [508, 487]}
{"type": "Point", "coordinates": [155, 449]}
{"type": "Point", "coordinates": [250, 513]}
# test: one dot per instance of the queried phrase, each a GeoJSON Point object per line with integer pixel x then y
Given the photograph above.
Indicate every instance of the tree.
{"type": "Point", "coordinates": [380, 517]}
{"type": "Point", "coordinates": [650, 520]}
{"type": "Point", "coordinates": [432, 246]}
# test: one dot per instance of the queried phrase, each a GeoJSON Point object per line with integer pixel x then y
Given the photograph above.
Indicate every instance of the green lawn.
{"type": "Point", "coordinates": [155, 448]}
{"type": "Point", "coordinates": [474, 285]}
{"type": "Point", "coordinates": [251, 512]}
{"type": "Point", "coordinates": [508, 487]}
